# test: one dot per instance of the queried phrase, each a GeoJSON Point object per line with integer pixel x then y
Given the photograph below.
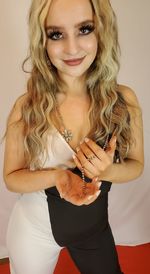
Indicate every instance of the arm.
{"type": "Point", "coordinates": [19, 178]}
{"type": "Point", "coordinates": [132, 167]}
{"type": "Point", "coordinates": [102, 165]}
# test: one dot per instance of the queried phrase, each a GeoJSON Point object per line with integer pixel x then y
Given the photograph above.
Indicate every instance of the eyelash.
{"type": "Point", "coordinates": [54, 35]}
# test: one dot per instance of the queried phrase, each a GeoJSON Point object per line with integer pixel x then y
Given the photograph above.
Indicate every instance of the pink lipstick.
{"type": "Point", "coordinates": [74, 62]}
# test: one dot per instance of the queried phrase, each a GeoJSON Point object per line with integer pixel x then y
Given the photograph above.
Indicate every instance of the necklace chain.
{"type": "Point", "coordinates": [68, 135]}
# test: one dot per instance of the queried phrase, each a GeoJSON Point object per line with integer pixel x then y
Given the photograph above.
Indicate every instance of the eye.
{"type": "Point", "coordinates": [54, 35]}
{"type": "Point", "coordinates": [87, 29]}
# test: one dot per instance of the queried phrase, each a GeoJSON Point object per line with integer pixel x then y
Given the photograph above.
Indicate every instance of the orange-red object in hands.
{"type": "Point", "coordinates": [72, 189]}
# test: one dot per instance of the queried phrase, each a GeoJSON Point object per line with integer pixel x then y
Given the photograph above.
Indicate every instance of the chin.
{"type": "Point", "coordinates": [75, 72]}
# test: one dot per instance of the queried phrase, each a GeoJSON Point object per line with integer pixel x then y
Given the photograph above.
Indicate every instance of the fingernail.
{"type": "Point", "coordinates": [96, 179]}
{"type": "Point", "coordinates": [77, 149]}
{"type": "Point", "coordinates": [73, 156]}
{"type": "Point", "coordinates": [86, 139]}
{"type": "Point", "coordinates": [115, 138]}
{"type": "Point", "coordinates": [61, 195]}
{"type": "Point", "coordinates": [99, 184]}
{"type": "Point", "coordinates": [89, 197]}
{"type": "Point", "coordinates": [81, 142]}
{"type": "Point", "coordinates": [97, 193]}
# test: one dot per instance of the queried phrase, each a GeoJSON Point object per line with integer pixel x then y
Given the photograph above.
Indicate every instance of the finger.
{"type": "Point", "coordinates": [92, 188]}
{"type": "Point", "coordinates": [77, 162]}
{"type": "Point", "coordinates": [84, 198]}
{"type": "Point", "coordinates": [88, 152]}
{"type": "Point", "coordinates": [88, 173]}
{"type": "Point", "coordinates": [79, 166]}
{"type": "Point", "coordinates": [93, 159]}
{"type": "Point", "coordinates": [112, 142]}
{"type": "Point", "coordinates": [111, 146]}
{"type": "Point", "coordinates": [93, 198]}
{"type": "Point", "coordinates": [85, 163]}
{"type": "Point", "coordinates": [77, 200]}
{"type": "Point", "coordinates": [97, 181]}
{"type": "Point", "coordinates": [81, 191]}
{"type": "Point", "coordinates": [59, 188]}
{"type": "Point", "coordinates": [96, 149]}
{"type": "Point", "coordinates": [74, 201]}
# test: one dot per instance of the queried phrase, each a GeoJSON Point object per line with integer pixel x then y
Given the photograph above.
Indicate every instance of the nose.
{"type": "Point", "coordinates": [72, 46]}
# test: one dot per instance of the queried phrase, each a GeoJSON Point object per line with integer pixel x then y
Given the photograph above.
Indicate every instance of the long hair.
{"type": "Point", "coordinates": [107, 104]}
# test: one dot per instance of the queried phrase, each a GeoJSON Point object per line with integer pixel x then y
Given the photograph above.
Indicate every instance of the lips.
{"type": "Point", "coordinates": [74, 62]}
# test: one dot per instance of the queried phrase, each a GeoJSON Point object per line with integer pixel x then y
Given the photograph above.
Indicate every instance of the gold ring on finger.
{"type": "Point", "coordinates": [92, 157]}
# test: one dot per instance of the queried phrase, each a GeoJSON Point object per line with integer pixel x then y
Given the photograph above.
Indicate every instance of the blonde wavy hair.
{"type": "Point", "coordinates": [107, 104]}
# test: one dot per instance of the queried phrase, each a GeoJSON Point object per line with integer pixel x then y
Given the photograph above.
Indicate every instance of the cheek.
{"type": "Point", "coordinates": [90, 45]}
{"type": "Point", "coordinates": [54, 50]}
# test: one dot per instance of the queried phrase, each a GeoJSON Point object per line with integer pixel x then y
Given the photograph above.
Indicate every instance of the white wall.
{"type": "Point", "coordinates": [13, 48]}
{"type": "Point", "coordinates": [134, 21]}
{"type": "Point", "coordinates": [129, 204]}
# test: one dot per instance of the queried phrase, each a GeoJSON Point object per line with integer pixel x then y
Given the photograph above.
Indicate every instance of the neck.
{"type": "Point", "coordinates": [74, 87]}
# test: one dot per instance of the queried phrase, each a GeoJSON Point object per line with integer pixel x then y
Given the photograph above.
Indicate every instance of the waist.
{"type": "Point", "coordinates": [34, 208]}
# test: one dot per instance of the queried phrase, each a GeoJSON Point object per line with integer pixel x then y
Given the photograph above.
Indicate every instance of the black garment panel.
{"type": "Point", "coordinates": [72, 223]}
{"type": "Point", "coordinates": [97, 254]}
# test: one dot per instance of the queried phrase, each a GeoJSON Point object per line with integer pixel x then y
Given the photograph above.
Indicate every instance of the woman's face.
{"type": "Point", "coordinates": [71, 37]}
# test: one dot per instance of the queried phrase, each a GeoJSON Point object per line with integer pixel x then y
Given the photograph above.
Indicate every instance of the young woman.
{"type": "Point", "coordinates": [69, 137]}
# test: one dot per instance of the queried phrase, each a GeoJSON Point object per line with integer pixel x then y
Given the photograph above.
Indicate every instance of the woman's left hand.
{"type": "Point", "coordinates": [94, 159]}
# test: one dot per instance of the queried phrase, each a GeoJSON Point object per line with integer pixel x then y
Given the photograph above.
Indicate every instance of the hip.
{"type": "Point", "coordinates": [32, 208]}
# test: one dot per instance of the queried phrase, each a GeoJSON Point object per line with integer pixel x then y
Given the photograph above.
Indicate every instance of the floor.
{"type": "Point", "coordinates": [133, 260]}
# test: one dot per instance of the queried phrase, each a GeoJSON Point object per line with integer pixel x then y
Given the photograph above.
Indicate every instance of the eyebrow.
{"type": "Point", "coordinates": [76, 26]}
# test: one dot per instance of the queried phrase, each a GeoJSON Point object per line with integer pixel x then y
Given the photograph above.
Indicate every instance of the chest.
{"type": "Point", "coordinates": [75, 119]}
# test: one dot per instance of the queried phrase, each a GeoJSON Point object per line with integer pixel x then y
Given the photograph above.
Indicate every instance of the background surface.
{"type": "Point", "coordinates": [129, 204]}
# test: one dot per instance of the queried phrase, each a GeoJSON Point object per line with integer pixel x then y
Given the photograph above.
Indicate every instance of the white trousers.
{"type": "Point", "coordinates": [30, 242]}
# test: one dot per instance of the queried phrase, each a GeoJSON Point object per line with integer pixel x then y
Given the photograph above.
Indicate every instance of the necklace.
{"type": "Point", "coordinates": [66, 133]}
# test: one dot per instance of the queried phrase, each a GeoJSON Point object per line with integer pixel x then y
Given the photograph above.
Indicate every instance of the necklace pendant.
{"type": "Point", "coordinates": [67, 135]}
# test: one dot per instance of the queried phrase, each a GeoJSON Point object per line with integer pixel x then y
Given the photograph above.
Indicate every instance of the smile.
{"type": "Point", "coordinates": [74, 62]}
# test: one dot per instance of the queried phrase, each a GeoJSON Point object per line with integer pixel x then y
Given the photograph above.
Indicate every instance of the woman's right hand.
{"type": "Point", "coordinates": [71, 187]}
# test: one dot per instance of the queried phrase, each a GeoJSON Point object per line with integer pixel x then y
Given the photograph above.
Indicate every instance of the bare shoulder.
{"type": "Point", "coordinates": [129, 96]}
{"type": "Point", "coordinates": [16, 112]}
